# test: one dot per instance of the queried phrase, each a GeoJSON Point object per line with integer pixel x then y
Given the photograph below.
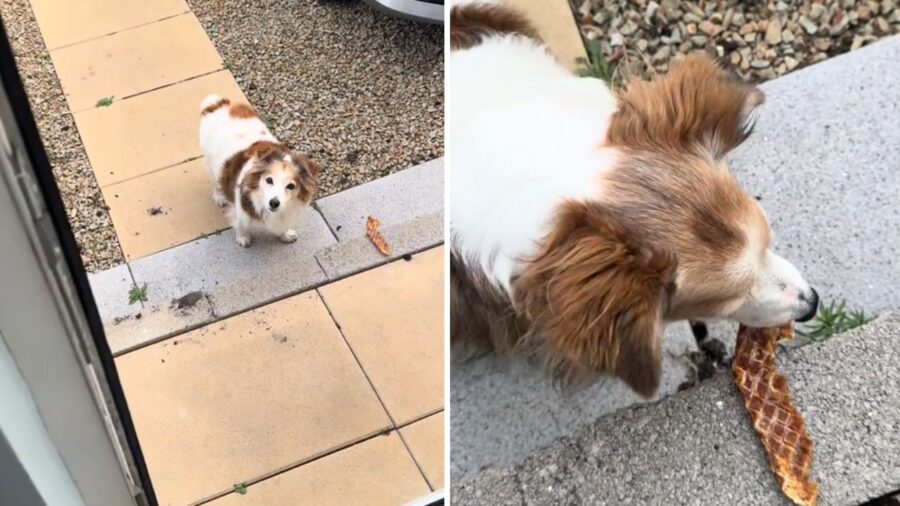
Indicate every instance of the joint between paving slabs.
{"type": "Point", "coordinates": [215, 316]}
{"type": "Point", "coordinates": [153, 171]}
{"type": "Point", "coordinates": [151, 90]}
{"type": "Point", "coordinates": [290, 467]}
{"type": "Point", "coordinates": [315, 206]}
{"type": "Point", "coordinates": [394, 425]}
{"type": "Point", "coordinates": [96, 37]}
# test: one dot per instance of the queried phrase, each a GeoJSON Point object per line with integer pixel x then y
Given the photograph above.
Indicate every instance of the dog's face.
{"type": "Point", "coordinates": [736, 276]}
{"type": "Point", "coordinates": [690, 206]}
{"type": "Point", "coordinates": [276, 183]}
{"type": "Point", "coordinates": [671, 236]}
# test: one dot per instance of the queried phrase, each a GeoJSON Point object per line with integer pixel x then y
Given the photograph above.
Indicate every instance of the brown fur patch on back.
{"type": "Point", "coordinates": [214, 107]}
{"type": "Point", "coordinates": [594, 295]}
{"type": "Point", "coordinates": [471, 24]}
{"type": "Point", "coordinates": [695, 105]}
{"type": "Point", "coordinates": [242, 111]}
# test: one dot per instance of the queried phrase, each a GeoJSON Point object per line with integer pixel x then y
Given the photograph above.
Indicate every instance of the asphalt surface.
{"type": "Point", "coordinates": [825, 163]}
{"type": "Point", "coordinates": [698, 446]}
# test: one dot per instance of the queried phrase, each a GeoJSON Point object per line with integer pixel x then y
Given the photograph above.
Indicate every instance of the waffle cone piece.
{"type": "Point", "coordinates": [375, 236]}
{"type": "Point", "coordinates": [778, 424]}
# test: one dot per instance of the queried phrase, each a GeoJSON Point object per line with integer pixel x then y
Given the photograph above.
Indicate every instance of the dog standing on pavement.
{"type": "Point", "coordinates": [264, 184]}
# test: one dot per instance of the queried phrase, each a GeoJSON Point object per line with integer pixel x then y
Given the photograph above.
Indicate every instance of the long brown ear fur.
{"type": "Point", "coordinates": [594, 297]}
{"type": "Point", "coordinates": [695, 104]}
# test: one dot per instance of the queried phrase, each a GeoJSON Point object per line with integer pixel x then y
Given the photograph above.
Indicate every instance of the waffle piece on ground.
{"type": "Point", "coordinates": [375, 236]}
{"type": "Point", "coordinates": [777, 422]}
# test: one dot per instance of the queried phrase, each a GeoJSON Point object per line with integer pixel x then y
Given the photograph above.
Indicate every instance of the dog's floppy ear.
{"type": "Point", "coordinates": [307, 175]}
{"type": "Point", "coordinates": [695, 104]}
{"type": "Point", "coordinates": [594, 297]}
{"type": "Point", "coordinates": [307, 164]}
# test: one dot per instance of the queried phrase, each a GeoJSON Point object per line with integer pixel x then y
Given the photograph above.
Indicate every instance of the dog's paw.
{"type": "Point", "coordinates": [289, 236]}
{"type": "Point", "coordinates": [219, 199]}
{"type": "Point", "coordinates": [244, 241]}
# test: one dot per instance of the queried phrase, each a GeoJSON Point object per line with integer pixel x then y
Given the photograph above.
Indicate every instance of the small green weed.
{"type": "Point", "coordinates": [105, 102]}
{"type": "Point", "coordinates": [833, 318]}
{"type": "Point", "coordinates": [269, 123]}
{"type": "Point", "coordinates": [240, 488]}
{"type": "Point", "coordinates": [596, 65]}
{"type": "Point", "coordinates": [137, 294]}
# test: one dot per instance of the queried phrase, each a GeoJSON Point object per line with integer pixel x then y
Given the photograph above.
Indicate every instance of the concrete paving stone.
{"type": "Point", "coordinates": [354, 254]}
{"type": "Point", "coordinates": [504, 409]}
{"type": "Point", "coordinates": [245, 397]}
{"type": "Point", "coordinates": [393, 200]}
{"type": "Point", "coordinates": [134, 61]}
{"type": "Point", "coordinates": [232, 277]}
{"type": "Point", "coordinates": [823, 160]}
{"type": "Point", "coordinates": [425, 439]}
{"type": "Point", "coordinates": [699, 447]}
{"type": "Point", "coordinates": [165, 121]}
{"type": "Point", "coordinates": [555, 23]}
{"type": "Point", "coordinates": [163, 209]}
{"type": "Point", "coordinates": [378, 471]}
{"type": "Point", "coordinates": [393, 318]}
{"type": "Point", "coordinates": [110, 289]}
{"type": "Point", "coordinates": [155, 323]}
{"type": "Point", "coordinates": [63, 22]}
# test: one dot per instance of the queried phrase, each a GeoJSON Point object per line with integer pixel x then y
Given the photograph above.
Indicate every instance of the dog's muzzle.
{"type": "Point", "coordinates": [273, 204]}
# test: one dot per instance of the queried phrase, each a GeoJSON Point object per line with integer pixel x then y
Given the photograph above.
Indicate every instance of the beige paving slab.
{"type": "Point", "coordinates": [555, 23]}
{"type": "Point", "coordinates": [163, 209]}
{"type": "Point", "coordinates": [64, 22]}
{"type": "Point", "coordinates": [393, 318]}
{"type": "Point", "coordinates": [150, 131]}
{"type": "Point", "coordinates": [134, 61]}
{"type": "Point", "coordinates": [375, 472]}
{"type": "Point", "coordinates": [246, 396]}
{"type": "Point", "coordinates": [425, 439]}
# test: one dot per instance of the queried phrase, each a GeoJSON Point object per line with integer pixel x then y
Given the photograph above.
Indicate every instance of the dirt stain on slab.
{"type": "Point", "coordinates": [188, 301]}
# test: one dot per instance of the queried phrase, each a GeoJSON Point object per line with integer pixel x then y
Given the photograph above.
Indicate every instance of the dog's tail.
{"type": "Point", "coordinates": [212, 103]}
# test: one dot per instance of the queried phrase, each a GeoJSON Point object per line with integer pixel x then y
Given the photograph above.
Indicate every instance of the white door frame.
{"type": "Point", "coordinates": [70, 431]}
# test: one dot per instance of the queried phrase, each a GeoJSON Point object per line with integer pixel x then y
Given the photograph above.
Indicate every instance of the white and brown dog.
{"type": "Point", "coordinates": [583, 219]}
{"type": "Point", "coordinates": [264, 184]}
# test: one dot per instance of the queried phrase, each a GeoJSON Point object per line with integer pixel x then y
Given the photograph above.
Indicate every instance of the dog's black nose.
{"type": "Point", "coordinates": [813, 301]}
{"type": "Point", "coordinates": [273, 204]}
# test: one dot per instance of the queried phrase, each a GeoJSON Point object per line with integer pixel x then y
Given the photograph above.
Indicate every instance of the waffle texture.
{"type": "Point", "coordinates": [777, 422]}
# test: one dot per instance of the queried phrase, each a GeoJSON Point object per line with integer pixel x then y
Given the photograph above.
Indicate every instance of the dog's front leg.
{"type": "Point", "coordinates": [288, 236]}
{"type": "Point", "coordinates": [242, 234]}
{"type": "Point", "coordinates": [712, 348]}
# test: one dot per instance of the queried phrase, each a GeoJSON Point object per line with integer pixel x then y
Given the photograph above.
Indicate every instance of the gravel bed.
{"type": "Point", "coordinates": [361, 91]}
{"type": "Point", "coordinates": [81, 195]}
{"type": "Point", "coordinates": [759, 40]}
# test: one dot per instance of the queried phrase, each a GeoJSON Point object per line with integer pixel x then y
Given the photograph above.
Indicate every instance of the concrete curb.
{"type": "Point", "coordinates": [210, 278]}
{"type": "Point", "coordinates": [698, 446]}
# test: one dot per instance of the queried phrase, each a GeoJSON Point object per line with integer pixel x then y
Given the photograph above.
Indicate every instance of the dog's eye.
{"type": "Point", "coordinates": [269, 180]}
{"type": "Point", "coordinates": [291, 186]}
